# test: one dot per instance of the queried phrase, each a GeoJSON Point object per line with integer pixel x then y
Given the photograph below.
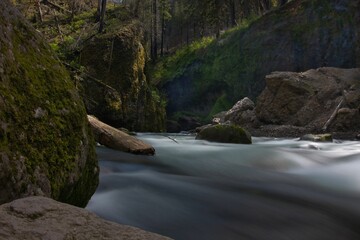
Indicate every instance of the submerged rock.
{"type": "Point", "coordinates": [224, 134]}
{"type": "Point", "coordinates": [43, 218]}
{"type": "Point", "coordinates": [46, 146]}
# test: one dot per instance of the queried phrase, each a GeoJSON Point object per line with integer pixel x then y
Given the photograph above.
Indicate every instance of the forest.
{"type": "Point", "coordinates": [169, 24]}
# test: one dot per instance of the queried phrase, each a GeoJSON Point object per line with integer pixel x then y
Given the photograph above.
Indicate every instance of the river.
{"type": "Point", "coordinates": [273, 189]}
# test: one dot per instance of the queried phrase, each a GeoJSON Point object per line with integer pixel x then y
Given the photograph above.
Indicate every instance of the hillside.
{"type": "Point", "coordinates": [210, 75]}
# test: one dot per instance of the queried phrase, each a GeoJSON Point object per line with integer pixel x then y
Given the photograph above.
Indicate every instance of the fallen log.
{"type": "Point", "coordinates": [116, 139]}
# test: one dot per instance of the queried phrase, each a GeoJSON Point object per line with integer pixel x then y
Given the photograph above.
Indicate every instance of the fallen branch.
{"type": "Point", "coordinates": [333, 115]}
{"type": "Point", "coordinates": [172, 139]}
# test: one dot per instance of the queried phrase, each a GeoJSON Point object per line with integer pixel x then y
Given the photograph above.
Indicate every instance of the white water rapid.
{"type": "Point", "coordinates": [273, 189]}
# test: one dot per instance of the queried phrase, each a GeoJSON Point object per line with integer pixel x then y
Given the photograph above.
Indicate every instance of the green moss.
{"type": "Point", "coordinates": [225, 134]}
{"type": "Point", "coordinates": [44, 116]}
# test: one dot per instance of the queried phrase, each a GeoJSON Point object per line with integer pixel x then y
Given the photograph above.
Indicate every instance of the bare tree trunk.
{"type": "Point", "coordinates": [39, 11]}
{"type": "Point", "coordinates": [282, 2]}
{"type": "Point", "coordinates": [232, 13]}
{"type": "Point", "coordinates": [102, 16]}
{"type": "Point", "coordinates": [137, 8]}
{"type": "Point", "coordinates": [217, 5]}
{"type": "Point", "coordinates": [162, 30]}
{"type": "Point", "coordinates": [98, 11]}
{"type": "Point", "coordinates": [155, 29]}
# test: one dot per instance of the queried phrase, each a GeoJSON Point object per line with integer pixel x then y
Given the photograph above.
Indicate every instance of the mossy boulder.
{"type": "Point", "coordinates": [120, 95]}
{"type": "Point", "coordinates": [225, 134]}
{"type": "Point", "coordinates": [46, 147]}
{"type": "Point", "coordinates": [327, 137]}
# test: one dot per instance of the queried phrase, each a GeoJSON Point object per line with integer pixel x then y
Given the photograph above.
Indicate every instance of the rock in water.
{"type": "Point", "coordinates": [46, 146]}
{"type": "Point", "coordinates": [242, 113]}
{"type": "Point", "coordinates": [225, 134]}
{"type": "Point", "coordinates": [317, 137]}
{"type": "Point", "coordinates": [116, 139]}
{"type": "Point", "coordinates": [44, 218]}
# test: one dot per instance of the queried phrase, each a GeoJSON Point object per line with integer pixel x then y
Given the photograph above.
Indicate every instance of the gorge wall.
{"type": "Point", "coordinates": [301, 35]}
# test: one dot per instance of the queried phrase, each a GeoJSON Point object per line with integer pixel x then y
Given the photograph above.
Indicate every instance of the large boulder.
{"type": "Point", "coordinates": [43, 218]}
{"type": "Point", "coordinates": [224, 133]}
{"type": "Point", "coordinates": [116, 89]}
{"type": "Point", "coordinates": [309, 99]}
{"type": "Point", "coordinates": [46, 147]}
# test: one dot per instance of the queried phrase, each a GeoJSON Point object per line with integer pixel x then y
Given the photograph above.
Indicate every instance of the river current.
{"type": "Point", "coordinates": [274, 189]}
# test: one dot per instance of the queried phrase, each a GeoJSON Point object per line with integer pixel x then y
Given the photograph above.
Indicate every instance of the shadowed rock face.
{"type": "Point", "coordinates": [309, 99]}
{"type": "Point", "coordinates": [46, 147]}
{"type": "Point", "coordinates": [44, 218]}
{"type": "Point", "coordinates": [120, 95]}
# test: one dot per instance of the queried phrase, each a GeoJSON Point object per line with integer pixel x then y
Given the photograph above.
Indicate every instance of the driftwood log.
{"type": "Point", "coordinates": [116, 139]}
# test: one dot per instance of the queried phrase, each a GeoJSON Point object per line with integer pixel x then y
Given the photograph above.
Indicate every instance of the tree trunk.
{"type": "Point", "coordinates": [39, 11]}
{"type": "Point", "coordinates": [98, 11]}
{"type": "Point", "coordinates": [155, 50]}
{"type": "Point", "coordinates": [102, 16]}
{"type": "Point", "coordinates": [116, 139]}
{"type": "Point", "coordinates": [162, 30]}
{"type": "Point", "coordinates": [232, 13]}
{"type": "Point", "coordinates": [137, 8]}
{"type": "Point", "coordinates": [217, 10]}
{"type": "Point", "coordinates": [282, 2]}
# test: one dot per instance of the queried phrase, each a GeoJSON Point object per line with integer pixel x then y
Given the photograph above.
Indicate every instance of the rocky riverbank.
{"type": "Point", "coordinates": [293, 104]}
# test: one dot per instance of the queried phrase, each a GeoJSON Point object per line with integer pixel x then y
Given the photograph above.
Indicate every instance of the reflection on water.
{"type": "Point", "coordinates": [273, 189]}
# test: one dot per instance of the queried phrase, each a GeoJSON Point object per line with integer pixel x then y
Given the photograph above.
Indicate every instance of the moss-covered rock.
{"type": "Point", "coordinates": [327, 137]}
{"type": "Point", "coordinates": [46, 147]}
{"type": "Point", "coordinates": [225, 134]}
{"type": "Point", "coordinates": [118, 91]}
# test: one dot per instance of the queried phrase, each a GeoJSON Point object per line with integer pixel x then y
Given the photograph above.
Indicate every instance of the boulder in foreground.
{"type": "Point", "coordinates": [46, 145]}
{"type": "Point", "coordinates": [225, 134]}
{"type": "Point", "coordinates": [116, 139]}
{"type": "Point", "coordinates": [43, 218]}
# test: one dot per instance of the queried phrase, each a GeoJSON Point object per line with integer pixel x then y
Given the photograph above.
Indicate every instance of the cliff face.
{"type": "Point", "coordinates": [301, 35]}
{"type": "Point", "coordinates": [122, 97]}
{"type": "Point", "coordinates": [46, 147]}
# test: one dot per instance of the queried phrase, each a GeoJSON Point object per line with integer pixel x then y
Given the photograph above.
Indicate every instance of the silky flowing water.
{"type": "Point", "coordinates": [273, 189]}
